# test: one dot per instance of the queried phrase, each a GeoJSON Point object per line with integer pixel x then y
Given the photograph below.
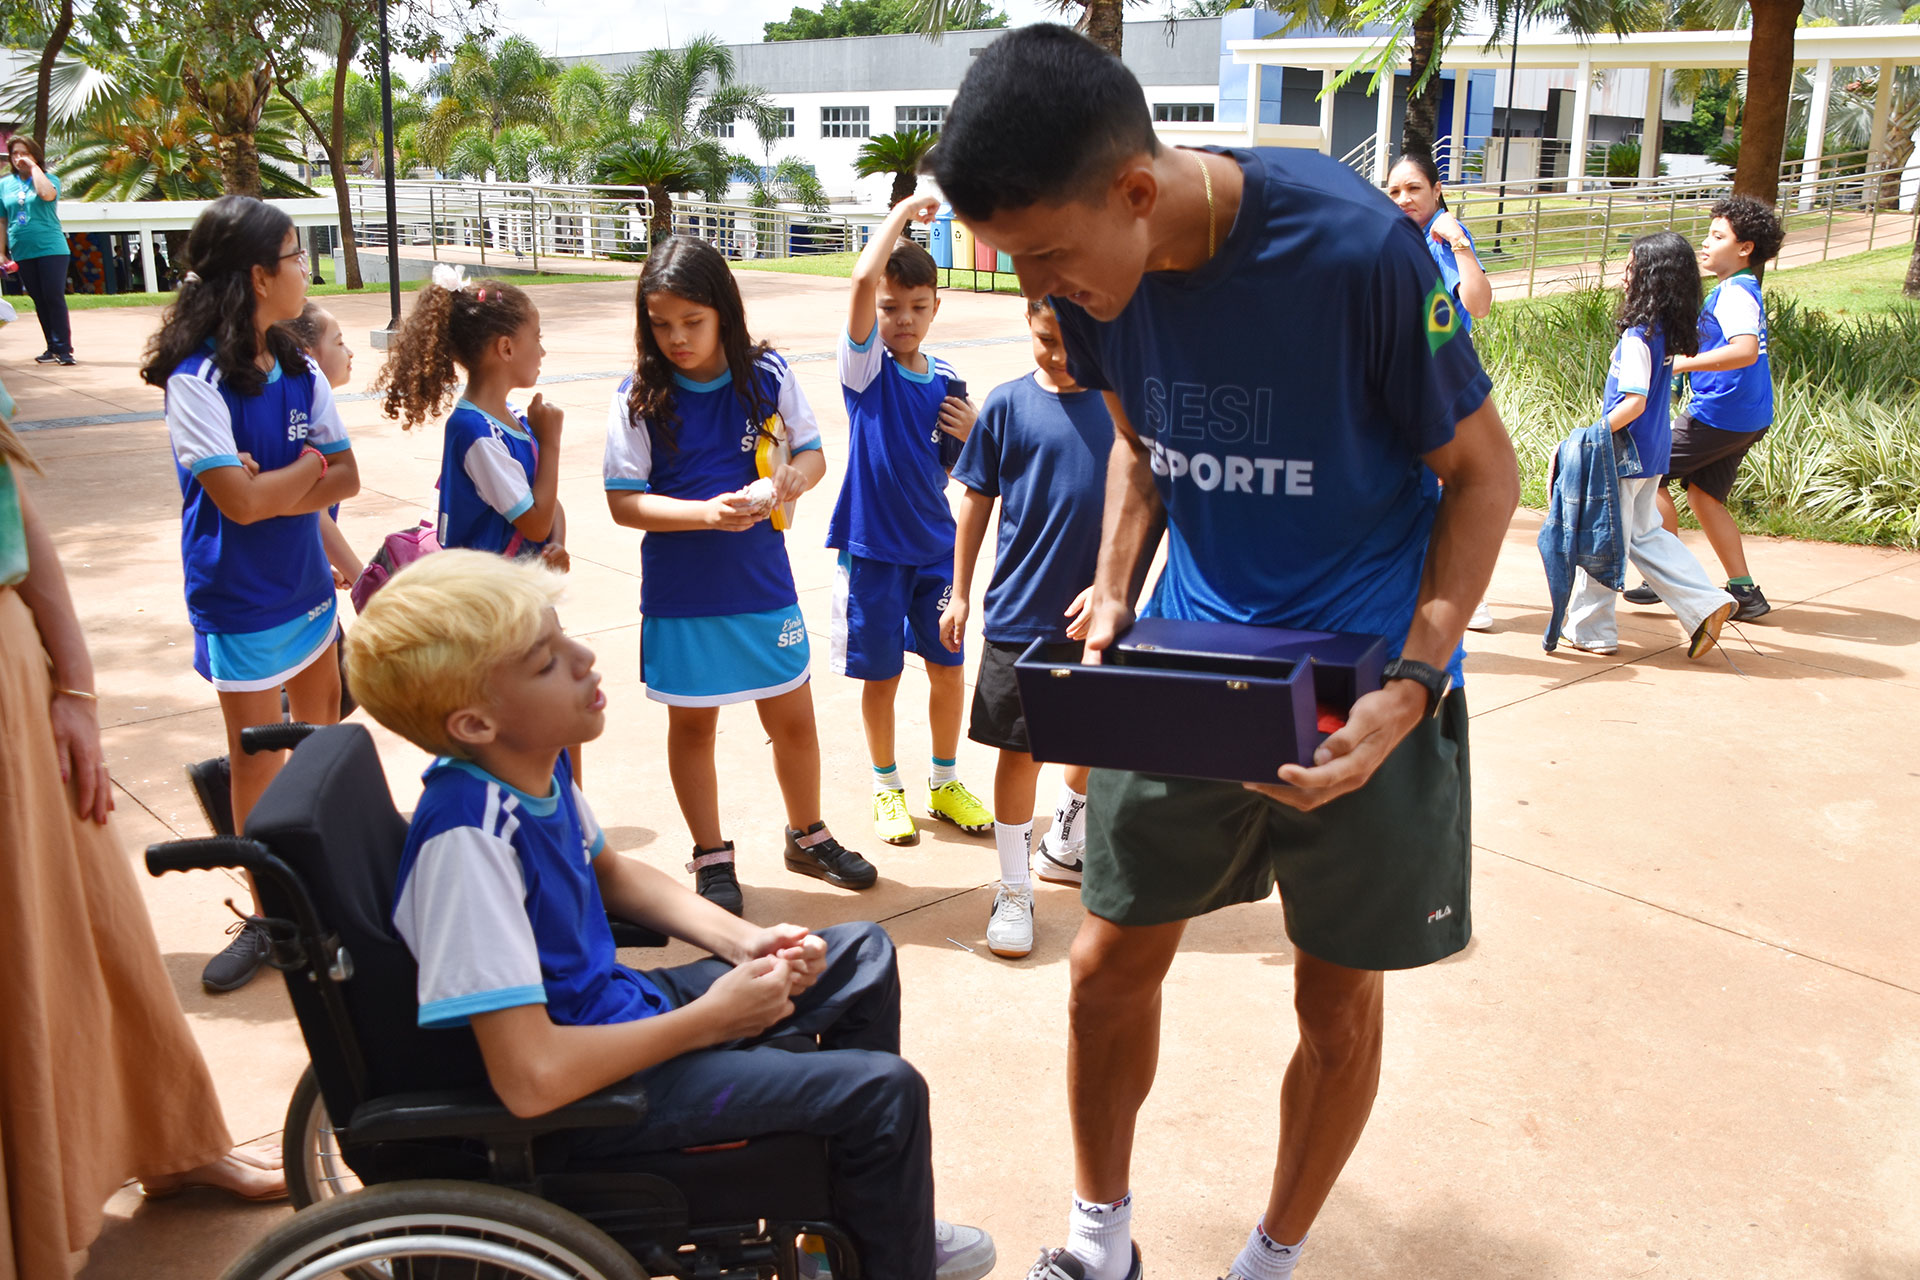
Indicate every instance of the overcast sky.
{"type": "Point", "coordinates": [617, 26]}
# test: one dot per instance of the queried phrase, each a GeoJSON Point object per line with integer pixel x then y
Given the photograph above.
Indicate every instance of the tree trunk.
{"type": "Point", "coordinates": [660, 225]}
{"type": "Point", "coordinates": [1912, 286]}
{"type": "Point", "coordinates": [337, 152]}
{"type": "Point", "coordinates": [1105, 23]}
{"type": "Point", "coordinates": [43, 92]}
{"type": "Point", "coordinates": [239, 158]}
{"type": "Point", "coordinates": [1422, 126]}
{"type": "Point", "coordinates": [1763, 126]}
{"type": "Point", "coordinates": [905, 183]}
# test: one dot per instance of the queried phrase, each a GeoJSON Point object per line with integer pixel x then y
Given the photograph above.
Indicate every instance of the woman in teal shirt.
{"type": "Point", "coordinates": [35, 243]}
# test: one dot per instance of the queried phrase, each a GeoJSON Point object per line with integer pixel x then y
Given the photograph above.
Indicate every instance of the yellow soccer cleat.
{"type": "Point", "coordinates": [952, 802]}
{"type": "Point", "coordinates": [891, 821]}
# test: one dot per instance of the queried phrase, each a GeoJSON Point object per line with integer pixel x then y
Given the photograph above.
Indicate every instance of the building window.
{"type": "Point", "coordinates": [718, 129]}
{"type": "Point", "coordinates": [1183, 112]}
{"type": "Point", "coordinates": [844, 122]}
{"type": "Point", "coordinates": [918, 119]}
{"type": "Point", "coordinates": [786, 122]}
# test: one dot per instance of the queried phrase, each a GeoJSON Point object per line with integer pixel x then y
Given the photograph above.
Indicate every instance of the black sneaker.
{"type": "Point", "coordinates": [1752, 603]}
{"type": "Point", "coordinates": [65, 357]}
{"type": "Point", "coordinates": [814, 852]}
{"type": "Point", "coordinates": [714, 880]}
{"type": "Point", "coordinates": [235, 966]}
{"type": "Point", "coordinates": [212, 783]}
{"type": "Point", "coordinates": [1642, 594]}
{"type": "Point", "coordinates": [46, 357]}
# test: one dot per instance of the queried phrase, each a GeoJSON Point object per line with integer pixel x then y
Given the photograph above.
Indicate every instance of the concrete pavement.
{"type": "Point", "coordinates": [1684, 1043]}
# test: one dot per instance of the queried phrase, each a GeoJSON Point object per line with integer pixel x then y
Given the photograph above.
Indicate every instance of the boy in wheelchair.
{"type": "Point", "coordinates": [503, 898]}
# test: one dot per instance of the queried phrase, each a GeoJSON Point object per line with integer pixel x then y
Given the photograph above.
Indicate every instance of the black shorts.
{"type": "Point", "coordinates": [998, 719]}
{"type": "Point", "coordinates": [1707, 458]}
{"type": "Point", "coordinates": [1378, 879]}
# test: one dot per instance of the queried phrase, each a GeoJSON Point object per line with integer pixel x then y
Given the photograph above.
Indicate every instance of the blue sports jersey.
{"type": "Point", "coordinates": [1445, 259]}
{"type": "Point", "coordinates": [701, 573]}
{"type": "Point", "coordinates": [1641, 366]}
{"type": "Point", "coordinates": [1737, 399]}
{"type": "Point", "coordinates": [243, 578]}
{"type": "Point", "coordinates": [1286, 392]}
{"type": "Point", "coordinates": [1044, 455]}
{"type": "Point", "coordinates": [498, 902]}
{"type": "Point", "coordinates": [893, 503]}
{"type": "Point", "coordinates": [486, 480]}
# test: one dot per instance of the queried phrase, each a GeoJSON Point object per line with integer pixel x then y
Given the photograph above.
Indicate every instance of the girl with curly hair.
{"type": "Point", "coordinates": [260, 451]}
{"type": "Point", "coordinates": [709, 442]}
{"type": "Point", "coordinates": [499, 470]}
{"type": "Point", "coordinates": [1658, 320]}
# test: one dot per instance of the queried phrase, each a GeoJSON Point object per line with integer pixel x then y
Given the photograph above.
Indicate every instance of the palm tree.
{"type": "Point", "coordinates": [690, 92]}
{"type": "Point", "coordinates": [898, 154]}
{"type": "Point", "coordinates": [488, 88]}
{"type": "Point", "coordinates": [649, 159]}
{"type": "Point", "coordinates": [790, 181]}
{"type": "Point", "coordinates": [1104, 21]}
{"type": "Point", "coordinates": [508, 157]}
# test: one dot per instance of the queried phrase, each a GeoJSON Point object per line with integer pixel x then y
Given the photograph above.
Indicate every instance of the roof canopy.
{"type": "Point", "coordinates": [1844, 46]}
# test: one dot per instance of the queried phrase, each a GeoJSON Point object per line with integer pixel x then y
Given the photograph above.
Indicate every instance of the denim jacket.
{"type": "Point", "coordinates": [1584, 528]}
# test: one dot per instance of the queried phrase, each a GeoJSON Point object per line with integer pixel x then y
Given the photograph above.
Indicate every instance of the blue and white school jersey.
{"type": "Point", "coordinates": [1449, 264]}
{"type": "Point", "coordinates": [1735, 399]}
{"type": "Point", "coordinates": [1641, 367]}
{"type": "Point", "coordinates": [243, 578]}
{"type": "Point", "coordinates": [498, 902]}
{"type": "Point", "coordinates": [711, 450]}
{"type": "Point", "coordinates": [1044, 455]}
{"type": "Point", "coordinates": [893, 502]}
{"type": "Point", "coordinates": [1286, 391]}
{"type": "Point", "coordinates": [486, 479]}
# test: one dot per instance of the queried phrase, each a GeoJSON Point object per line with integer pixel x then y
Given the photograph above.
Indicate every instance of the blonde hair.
{"type": "Point", "coordinates": [14, 450]}
{"type": "Point", "coordinates": [429, 642]}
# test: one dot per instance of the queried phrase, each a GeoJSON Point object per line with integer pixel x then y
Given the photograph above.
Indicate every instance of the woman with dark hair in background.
{"type": "Point", "coordinates": [34, 245]}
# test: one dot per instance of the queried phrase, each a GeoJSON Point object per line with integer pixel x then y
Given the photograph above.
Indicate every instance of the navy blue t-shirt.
{"type": "Point", "coordinates": [1044, 455]}
{"type": "Point", "coordinates": [1286, 391]}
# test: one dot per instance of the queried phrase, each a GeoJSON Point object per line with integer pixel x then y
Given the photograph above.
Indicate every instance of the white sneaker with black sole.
{"type": "Point", "coordinates": [1059, 863]}
{"type": "Point", "coordinates": [1010, 927]}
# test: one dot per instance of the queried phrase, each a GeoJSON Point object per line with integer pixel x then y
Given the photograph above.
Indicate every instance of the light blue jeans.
{"type": "Point", "coordinates": [1662, 559]}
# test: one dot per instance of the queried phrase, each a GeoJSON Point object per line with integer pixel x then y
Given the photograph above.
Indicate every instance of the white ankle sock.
{"type": "Point", "coordinates": [888, 779]}
{"type": "Point", "coordinates": [1265, 1258]}
{"type": "Point", "coordinates": [1069, 818]}
{"type": "Point", "coordinates": [1101, 1236]}
{"type": "Point", "coordinates": [943, 771]}
{"type": "Point", "coordinates": [1015, 846]}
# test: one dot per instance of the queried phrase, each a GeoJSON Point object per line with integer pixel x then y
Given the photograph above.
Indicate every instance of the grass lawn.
{"type": "Point", "coordinates": [1863, 284]}
{"type": "Point", "coordinates": [96, 301]}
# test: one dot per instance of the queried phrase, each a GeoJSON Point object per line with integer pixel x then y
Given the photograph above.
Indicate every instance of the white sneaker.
{"type": "Point", "coordinates": [1059, 863]}
{"type": "Point", "coordinates": [1010, 927]}
{"type": "Point", "coordinates": [1482, 619]}
{"type": "Point", "coordinates": [961, 1253]}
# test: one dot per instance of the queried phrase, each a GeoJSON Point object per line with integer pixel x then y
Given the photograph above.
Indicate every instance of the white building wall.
{"type": "Point", "coordinates": [1617, 91]}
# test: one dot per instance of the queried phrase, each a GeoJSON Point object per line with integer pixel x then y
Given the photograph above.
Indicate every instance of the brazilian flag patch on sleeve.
{"type": "Point", "coordinates": [1443, 316]}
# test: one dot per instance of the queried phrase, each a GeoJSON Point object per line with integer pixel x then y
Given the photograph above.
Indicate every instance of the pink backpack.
{"type": "Point", "coordinates": [397, 551]}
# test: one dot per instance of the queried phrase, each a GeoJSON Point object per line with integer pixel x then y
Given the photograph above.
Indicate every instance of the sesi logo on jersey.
{"type": "Point", "coordinates": [297, 424]}
{"type": "Point", "coordinates": [792, 632]}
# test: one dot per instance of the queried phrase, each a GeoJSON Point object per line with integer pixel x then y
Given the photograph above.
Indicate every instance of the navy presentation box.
{"type": "Point", "coordinates": [1196, 699]}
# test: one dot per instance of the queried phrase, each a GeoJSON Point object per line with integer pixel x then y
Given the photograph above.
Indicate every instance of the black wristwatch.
{"type": "Point", "coordinates": [1435, 681]}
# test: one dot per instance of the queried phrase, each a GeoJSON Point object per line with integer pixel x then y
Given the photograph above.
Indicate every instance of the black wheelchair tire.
{"type": "Point", "coordinates": [408, 1212]}
{"type": "Point", "coordinates": [309, 1156]}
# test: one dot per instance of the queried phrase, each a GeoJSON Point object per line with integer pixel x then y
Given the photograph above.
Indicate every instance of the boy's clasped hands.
{"type": "Point", "coordinates": [779, 963]}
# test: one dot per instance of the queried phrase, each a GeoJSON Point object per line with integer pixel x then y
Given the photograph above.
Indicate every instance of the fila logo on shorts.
{"type": "Point", "coordinates": [1435, 917]}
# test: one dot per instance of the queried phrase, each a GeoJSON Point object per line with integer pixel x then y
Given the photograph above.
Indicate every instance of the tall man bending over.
{"type": "Point", "coordinates": [1281, 359]}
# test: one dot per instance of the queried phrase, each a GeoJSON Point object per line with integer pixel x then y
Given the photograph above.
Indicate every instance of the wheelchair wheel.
{"type": "Point", "coordinates": [433, 1230]}
{"type": "Point", "coordinates": [314, 1167]}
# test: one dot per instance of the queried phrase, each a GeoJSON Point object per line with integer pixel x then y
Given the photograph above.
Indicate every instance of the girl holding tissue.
{"type": "Point", "coordinates": [709, 443]}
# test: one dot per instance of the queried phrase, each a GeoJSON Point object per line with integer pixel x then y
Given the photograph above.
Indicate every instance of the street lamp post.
{"type": "Point", "coordinates": [386, 143]}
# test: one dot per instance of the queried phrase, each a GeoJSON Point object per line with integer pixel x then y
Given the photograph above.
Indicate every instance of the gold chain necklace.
{"type": "Point", "coordinates": [1206, 175]}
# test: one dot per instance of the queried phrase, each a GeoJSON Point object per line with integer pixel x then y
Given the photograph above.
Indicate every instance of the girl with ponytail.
{"type": "Point", "coordinates": [260, 451]}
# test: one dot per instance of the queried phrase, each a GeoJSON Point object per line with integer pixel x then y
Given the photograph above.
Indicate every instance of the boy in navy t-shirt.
{"type": "Point", "coordinates": [1287, 377]}
{"type": "Point", "coordinates": [892, 524]}
{"type": "Point", "coordinates": [1041, 448]}
{"type": "Point", "coordinates": [503, 895]}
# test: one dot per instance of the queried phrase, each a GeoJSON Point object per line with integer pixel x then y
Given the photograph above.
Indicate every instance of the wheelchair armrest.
{"type": "Point", "coordinates": [476, 1113]}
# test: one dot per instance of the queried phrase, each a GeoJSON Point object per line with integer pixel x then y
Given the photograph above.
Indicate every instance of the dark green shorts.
{"type": "Point", "coordinates": [1377, 879]}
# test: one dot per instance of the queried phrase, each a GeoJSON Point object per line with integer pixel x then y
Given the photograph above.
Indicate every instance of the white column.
{"type": "Point", "coordinates": [1882, 113]}
{"type": "Point", "coordinates": [1326, 113]}
{"type": "Point", "coordinates": [1253, 104]}
{"type": "Point", "coordinates": [1650, 127]}
{"type": "Point", "coordinates": [1582, 100]}
{"type": "Point", "coordinates": [1457, 146]}
{"type": "Point", "coordinates": [150, 274]}
{"type": "Point", "coordinates": [1383, 128]}
{"type": "Point", "coordinates": [1816, 128]}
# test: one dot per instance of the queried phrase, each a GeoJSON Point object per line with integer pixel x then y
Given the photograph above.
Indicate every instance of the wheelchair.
{"type": "Point", "coordinates": [431, 1177]}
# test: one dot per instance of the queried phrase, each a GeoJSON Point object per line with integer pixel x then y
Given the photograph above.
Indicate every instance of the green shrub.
{"type": "Point", "coordinates": [1842, 461]}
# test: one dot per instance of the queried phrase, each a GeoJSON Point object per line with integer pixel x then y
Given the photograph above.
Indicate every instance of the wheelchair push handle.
{"type": "Point", "coordinates": [275, 737]}
{"type": "Point", "coordinates": [204, 854]}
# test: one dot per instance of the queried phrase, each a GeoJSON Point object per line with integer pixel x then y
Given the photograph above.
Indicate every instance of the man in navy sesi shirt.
{"type": "Point", "coordinates": [1287, 377]}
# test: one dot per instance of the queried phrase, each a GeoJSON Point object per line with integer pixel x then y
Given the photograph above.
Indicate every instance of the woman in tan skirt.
{"type": "Point", "coordinates": [100, 1079]}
